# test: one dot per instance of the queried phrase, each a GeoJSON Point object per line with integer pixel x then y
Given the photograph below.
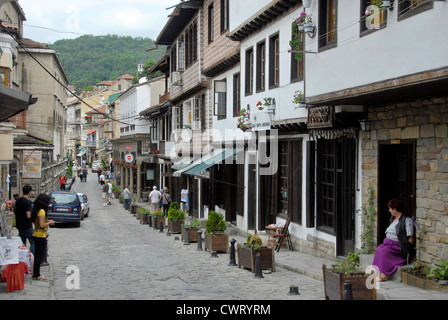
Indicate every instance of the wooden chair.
{"type": "Point", "coordinates": [283, 236]}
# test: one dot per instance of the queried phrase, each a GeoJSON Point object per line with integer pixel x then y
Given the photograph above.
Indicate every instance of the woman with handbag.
{"type": "Point", "coordinates": [166, 200]}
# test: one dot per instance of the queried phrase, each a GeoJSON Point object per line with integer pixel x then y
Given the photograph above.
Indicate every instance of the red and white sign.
{"type": "Point", "coordinates": [129, 157]}
{"type": "Point", "coordinates": [128, 148]}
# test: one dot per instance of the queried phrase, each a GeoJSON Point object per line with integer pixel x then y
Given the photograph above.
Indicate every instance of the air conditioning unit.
{"type": "Point", "coordinates": [176, 78]}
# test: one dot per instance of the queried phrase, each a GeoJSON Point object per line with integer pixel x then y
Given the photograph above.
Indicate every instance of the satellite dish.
{"type": "Point", "coordinates": [143, 80]}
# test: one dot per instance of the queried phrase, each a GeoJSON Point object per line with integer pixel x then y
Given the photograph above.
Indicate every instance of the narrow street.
{"type": "Point", "coordinates": [119, 258]}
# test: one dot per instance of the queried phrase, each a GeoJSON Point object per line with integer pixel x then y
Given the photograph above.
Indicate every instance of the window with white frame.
{"type": "Point", "coordinates": [196, 125]}
{"type": "Point", "coordinates": [181, 55]}
{"type": "Point", "coordinates": [261, 66]}
{"type": "Point", "coordinates": [249, 72]}
{"type": "Point", "coordinates": [220, 98]}
{"type": "Point", "coordinates": [176, 118]}
{"type": "Point", "coordinates": [274, 61]}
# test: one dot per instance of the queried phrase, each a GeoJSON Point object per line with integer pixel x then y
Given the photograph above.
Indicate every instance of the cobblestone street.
{"type": "Point", "coordinates": [119, 258]}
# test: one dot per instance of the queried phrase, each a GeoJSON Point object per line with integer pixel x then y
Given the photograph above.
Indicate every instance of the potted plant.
{"type": "Point", "coordinates": [160, 218]}
{"type": "Point", "coordinates": [193, 235]}
{"type": "Point", "coordinates": [243, 119]}
{"type": "Point", "coordinates": [116, 191]}
{"type": "Point", "coordinates": [246, 254]}
{"type": "Point", "coordinates": [348, 270]}
{"type": "Point", "coordinates": [268, 104]}
{"type": "Point", "coordinates": [176, 218]}
{"type": "Point", "coordinates": [305, 20]}
{"type": "Point", "coordinates": [216, 237]}
{"type": "Point", "coordinates": [145, 215]}
{"type": "Point", "coordinates": [423, 277]}
{"type": "Point", "coordinates": [299, 99]}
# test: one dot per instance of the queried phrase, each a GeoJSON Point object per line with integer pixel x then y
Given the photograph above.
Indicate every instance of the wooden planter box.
{"type": "Point", "coordinates": [334, 286]}
{"type": "Point", "coordinates": [246, 258]}
{"type": "Point", "coordinates": [143, 218]}
{"type": "Point", "coordinates": [175, 226]}
{"type": "Point", "coordinates": [193, 235]}
{"type": "Point", "coordinates": [217, 242]}
{"type": "Point", "coordinates": [158, 220]}
{"type": "Point", "coordinates": [422, 283]}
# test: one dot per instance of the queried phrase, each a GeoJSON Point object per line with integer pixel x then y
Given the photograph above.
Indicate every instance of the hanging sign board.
{"type": "Point", "coordinates": [32, 164]}
{"type": "Point", "coordinates": [129, 157]}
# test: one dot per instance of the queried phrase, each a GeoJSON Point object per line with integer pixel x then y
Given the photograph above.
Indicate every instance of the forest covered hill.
{"type": "Point", "coordinates": [88, 60]}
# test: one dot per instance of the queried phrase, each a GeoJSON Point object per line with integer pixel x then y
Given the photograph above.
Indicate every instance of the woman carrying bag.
{"type": "Point", "coordinates": [41, 223]}
{"type": "Point", "coordinates": [166, 200]}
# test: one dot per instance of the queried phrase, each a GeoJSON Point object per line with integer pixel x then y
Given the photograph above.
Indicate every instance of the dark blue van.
{"type": "Point", "coordinates": [65, 207]}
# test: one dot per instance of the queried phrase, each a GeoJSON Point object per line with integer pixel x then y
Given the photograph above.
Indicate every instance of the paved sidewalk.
{"type": "Point", "coordinates": [312, 266]}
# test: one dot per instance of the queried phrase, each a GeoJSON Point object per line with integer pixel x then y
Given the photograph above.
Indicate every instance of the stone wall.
{"type": "Point", "coordinates": [426, 121]}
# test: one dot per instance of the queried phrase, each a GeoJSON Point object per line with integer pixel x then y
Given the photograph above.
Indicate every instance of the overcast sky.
{"type": "Point", "coordinates": [51, 20]}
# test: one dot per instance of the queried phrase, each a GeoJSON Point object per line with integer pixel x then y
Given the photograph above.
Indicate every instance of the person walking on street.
{"type": "Point", "coordinates": [22, 211]}
{"type": "Point", "coordinates": [62, 182]}
{"type": "Point", "coordinates": [99, 172]}
{"type": "Point", "coordinates": [155, 197]}
{"type": "Point", "coordinates": [166, 200]}
{"type": "Point", "coordinates": [41, 223]}
{"type": "Point", "coordinates": [127, 197]}
{"type": "Point", "coordinates": [102, 179]}
{"type": "Point", "coordinates": [105, 194]}
{"type": "Point", "coordinates": [109, 192]}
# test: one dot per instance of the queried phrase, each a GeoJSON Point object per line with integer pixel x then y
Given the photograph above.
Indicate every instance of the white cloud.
{"type": "Point", "coordinates": [51, 20]}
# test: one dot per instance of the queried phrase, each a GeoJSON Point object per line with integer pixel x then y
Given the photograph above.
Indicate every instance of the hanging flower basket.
{"type": "Point", "coordinates": [299, 99]}
{"type": "Point", "coordinates": [243, 119]}
{"type": "Point", "coordinates": [308, 28]}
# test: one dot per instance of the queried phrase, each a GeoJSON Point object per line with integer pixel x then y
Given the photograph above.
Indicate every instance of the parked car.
{"type": "Point", "coordinates": [65, 206]}
{"type": "Point", "coordinates": [97, 164]}
{"type": "Point", "coordinates": [84, 204]}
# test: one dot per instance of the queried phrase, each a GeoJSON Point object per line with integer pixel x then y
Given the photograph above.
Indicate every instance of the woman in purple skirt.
{"type": "Point", "coordinates": [398, 245]}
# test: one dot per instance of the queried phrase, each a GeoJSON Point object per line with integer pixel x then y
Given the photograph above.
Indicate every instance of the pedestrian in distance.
{"type": "Point", "coordinates": [41, 223]}
{"type": "Point", "coordinates": [16, 197]}
{"type": "Point", "coordinates": [166, 200]}
{"type": "Point", "coordinates": [102, 179]}
{"type": "Point", "coordinates": [105, 194]}
{"type": "Point", "coordinates": [127, 197]}
{"type": "Point", "coordinates": [22, 211]}
{"type": "Point", "coordinates": [109, 192]}
{"type": "Point", "coordinates": [84, 174]}
{"type": "Point", "coordinates": [99, 175]}
{"type": "Point", "coordinates": [155, 197]}
{"type": "Point", "coordinates": [397, 247]}
{"type": "Point", "coordinates": [62, 182]}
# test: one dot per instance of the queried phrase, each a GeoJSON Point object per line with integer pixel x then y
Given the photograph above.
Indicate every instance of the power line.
{"type": "Point", "coordinates": [57, 80]}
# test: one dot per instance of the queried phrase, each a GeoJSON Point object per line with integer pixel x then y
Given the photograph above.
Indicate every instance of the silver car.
{"type": "Point", "coordinates": [84, 205]}
{"type": "Point", "coordinates": [97, 164]}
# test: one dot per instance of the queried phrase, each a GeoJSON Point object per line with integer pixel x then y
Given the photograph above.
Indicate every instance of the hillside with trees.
{"type": "Point", "coordinates": [90, 59]}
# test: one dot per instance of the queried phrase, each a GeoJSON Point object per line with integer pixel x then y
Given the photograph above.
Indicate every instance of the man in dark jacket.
{"type": "Point", "coordinates": [22, 212]}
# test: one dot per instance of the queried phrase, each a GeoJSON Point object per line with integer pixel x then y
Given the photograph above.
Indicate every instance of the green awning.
{"type": "Point", "coordinates": [202, 164]}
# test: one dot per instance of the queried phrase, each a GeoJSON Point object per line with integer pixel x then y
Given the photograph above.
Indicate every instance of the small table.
{"type": "Point", "coordinates": [271, 230]}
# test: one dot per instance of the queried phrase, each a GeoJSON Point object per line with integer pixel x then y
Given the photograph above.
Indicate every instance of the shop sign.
{"type": "Point", "coordinates": [129, 158]}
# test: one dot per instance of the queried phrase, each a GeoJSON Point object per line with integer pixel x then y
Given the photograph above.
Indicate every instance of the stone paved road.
{"type": "Point", "coordinates": [119, 258]}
